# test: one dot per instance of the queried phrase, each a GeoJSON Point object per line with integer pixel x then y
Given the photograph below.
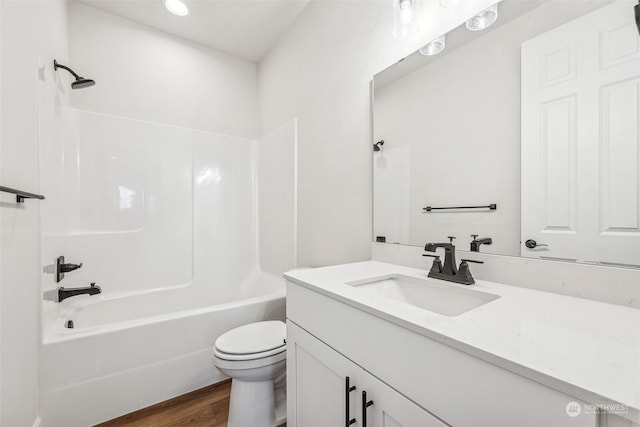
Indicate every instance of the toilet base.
{"type": "Point", "coordinates": [251, 404]}
{"type": "Point", "coordinates": [257, 404]}
{"type": "Point", "coordinates": [280, 399]}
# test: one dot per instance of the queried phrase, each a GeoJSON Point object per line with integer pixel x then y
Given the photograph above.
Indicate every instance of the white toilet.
{"type": "Point", "coordinates": [254, 356]}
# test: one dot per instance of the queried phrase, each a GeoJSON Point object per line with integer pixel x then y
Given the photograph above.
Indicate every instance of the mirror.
{"type": "Point", "coordinates": [526, 133]}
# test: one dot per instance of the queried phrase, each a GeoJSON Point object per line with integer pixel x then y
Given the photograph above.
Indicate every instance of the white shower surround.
{"type": "Point", "coordinates": [165, 220]}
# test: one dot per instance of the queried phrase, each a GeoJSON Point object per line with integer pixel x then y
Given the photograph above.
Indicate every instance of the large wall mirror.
{"type": "Point", "coordinates": [526, 133]}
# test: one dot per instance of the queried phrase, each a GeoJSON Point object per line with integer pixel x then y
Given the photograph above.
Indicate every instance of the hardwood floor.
{"type": "Point", "coordinates": [206, 407]}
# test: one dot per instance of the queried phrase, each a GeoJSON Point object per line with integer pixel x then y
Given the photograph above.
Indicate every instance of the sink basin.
{"type": "Point", "coordinates": [429, 294]}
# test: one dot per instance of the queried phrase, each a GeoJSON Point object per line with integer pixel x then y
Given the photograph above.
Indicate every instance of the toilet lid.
{"type": "Point", "coordinates": [253, 338]}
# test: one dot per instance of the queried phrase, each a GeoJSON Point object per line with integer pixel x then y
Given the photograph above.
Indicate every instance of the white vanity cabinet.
{"type": "Point", "coordinates": [330, 390]}
{"type": "Point", "coordinates": [613, 420]}
{"type": "Point", "coordinates": [412, 379]}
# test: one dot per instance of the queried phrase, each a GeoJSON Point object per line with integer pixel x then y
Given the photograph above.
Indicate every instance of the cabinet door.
{"type": "Point", "coordinates": [392, 409]}
{"type": "Point", "coordinates": [316, 392]}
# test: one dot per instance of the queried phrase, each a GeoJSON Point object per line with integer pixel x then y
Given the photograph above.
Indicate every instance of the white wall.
{"type": "Point", "coordinates": [145, 74]}
{"type": "Point", "coordinates": [319, 72]}
{"type": "Point", "coordinates": [276, 178]}
{"type": "Point", "coordinates": [32, 34]}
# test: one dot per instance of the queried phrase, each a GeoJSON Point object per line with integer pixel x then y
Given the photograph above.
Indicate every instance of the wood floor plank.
{"type": "Point", "coordinates": [206, 407]}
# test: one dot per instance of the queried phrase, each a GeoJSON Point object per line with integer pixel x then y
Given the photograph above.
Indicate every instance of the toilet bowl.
{"type": "Point", "coordinates": [254, 356]}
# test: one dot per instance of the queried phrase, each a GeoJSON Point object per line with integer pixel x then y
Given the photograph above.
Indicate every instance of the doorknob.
{"type": "Point", "coordinates": [532, 244]}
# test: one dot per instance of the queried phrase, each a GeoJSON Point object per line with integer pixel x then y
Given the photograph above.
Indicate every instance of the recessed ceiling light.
{"type": "Point", "coordinates": [177, 7]}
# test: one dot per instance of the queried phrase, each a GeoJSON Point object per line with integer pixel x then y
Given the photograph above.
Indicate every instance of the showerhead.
{"type": "Point", "coordinates": [80, 82]}
{"type": "Point", "coordinates": [378, 145]}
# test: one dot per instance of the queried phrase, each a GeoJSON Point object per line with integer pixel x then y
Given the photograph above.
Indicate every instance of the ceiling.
{"type": "Point", "coordinates": [244, 28]}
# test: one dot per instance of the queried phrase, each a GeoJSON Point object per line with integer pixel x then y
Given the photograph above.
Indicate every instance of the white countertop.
{"type": "Point", "coordinates": [587, 349]}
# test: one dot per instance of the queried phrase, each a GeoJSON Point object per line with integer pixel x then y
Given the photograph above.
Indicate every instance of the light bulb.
{"type": "Point", "coordinates": [404, 18]}
{"type": "Point", "coordinates": [434, 47]}
{"type": "Point", "coordinates": [177, 7]}
{"type": "Point", "coordinates": [484, 19]}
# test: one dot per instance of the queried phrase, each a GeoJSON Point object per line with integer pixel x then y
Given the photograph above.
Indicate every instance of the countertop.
{"type": "Point", "coordinates": [587, 349]}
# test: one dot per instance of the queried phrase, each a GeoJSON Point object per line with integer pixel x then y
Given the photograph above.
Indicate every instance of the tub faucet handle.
{"type": "Point", "coordinates": [62, 267]}
{"type": "Point", "coordinates": [65, 268]}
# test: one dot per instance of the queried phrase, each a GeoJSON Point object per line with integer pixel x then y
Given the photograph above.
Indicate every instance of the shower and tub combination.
{"type": "Point", "coordinates": [170, 223]}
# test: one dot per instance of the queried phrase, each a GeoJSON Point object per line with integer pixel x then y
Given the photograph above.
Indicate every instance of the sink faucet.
{"type": "Point", "coordinates": [60, 294]}
{"type": "Point", "coordinates": [449, 271]}
{"type": "Point", "coordinates": [449, 255]}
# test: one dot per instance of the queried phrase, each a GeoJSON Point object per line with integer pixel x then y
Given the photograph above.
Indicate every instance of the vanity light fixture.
{"type": "Point", "coordinates": [484, 19]}
{"type": "Point", "coordinates": [177, 7]}
{"type": "Point", "coordinates": [404, 18]}
{"type": "Point", "coordinates": [434, 47]}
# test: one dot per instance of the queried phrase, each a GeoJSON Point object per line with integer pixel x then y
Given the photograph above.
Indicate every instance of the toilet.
{"type": "Point", "coordinates": [254, 356]}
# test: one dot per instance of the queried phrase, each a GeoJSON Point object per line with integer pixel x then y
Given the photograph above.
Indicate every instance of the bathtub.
{"type": "Point", "coordinates": [127, 352]}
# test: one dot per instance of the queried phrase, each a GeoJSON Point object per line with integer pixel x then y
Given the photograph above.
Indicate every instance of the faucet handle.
{"type": "Point", "coordinates": [472, 260]}
{"type": "Point", "coordinates": [475, 236]}
{"type": "Point", "coordinates": [436, 267]}
{"type": "Point", "coordinates": [465, 273]}
{"type": "Point", "coordinates": [451, 238]}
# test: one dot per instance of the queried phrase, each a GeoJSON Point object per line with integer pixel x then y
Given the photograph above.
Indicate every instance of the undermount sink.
{"type": "Point", "coordinates": [429, 294]}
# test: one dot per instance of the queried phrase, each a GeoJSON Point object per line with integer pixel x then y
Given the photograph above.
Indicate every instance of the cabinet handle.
{"type": "Point", "coordinates": [365, 405]}
{"type": "Point", "coordinates": [348, 389]}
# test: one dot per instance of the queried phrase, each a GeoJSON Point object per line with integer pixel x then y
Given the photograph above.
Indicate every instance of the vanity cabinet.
{"type": "Point", "coordinates": [613, 420]}
{"type": "Point", "coordinates": [413, 380]}
{"type": "Point", "coordinates": [328, 389]}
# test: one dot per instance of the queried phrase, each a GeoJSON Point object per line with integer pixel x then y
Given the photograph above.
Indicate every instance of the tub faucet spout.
{"type": "Point", "coordinates": [61, 293]}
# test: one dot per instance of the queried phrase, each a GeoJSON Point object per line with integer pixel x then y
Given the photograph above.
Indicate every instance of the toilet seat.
{"type": "Point", "coordinates": [222, 361]}
{"type": "Point", "coordinates": [253, 341]}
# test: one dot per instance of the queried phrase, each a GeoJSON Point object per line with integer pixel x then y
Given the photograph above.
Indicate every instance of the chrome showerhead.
{"type": "Point", "coordinates": [378, 145]}
{"type": "Point", "coordinates": [80, 82]}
